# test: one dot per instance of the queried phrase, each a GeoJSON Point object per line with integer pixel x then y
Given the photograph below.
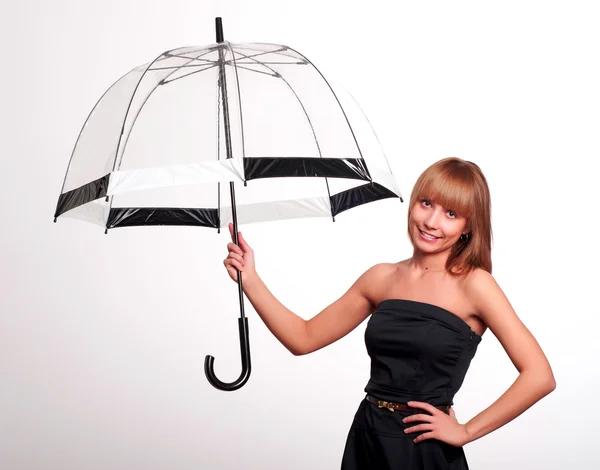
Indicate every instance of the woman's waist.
{"type": "Point", "coordinates": [435, 396]}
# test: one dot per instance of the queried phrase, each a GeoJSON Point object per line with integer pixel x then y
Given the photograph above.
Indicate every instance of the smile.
{"type": "Point", "coordinates": [427, 236]}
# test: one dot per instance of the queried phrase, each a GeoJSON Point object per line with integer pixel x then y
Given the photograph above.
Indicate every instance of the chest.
{"type": "Point", "coordinates": [434, 288]}
{"type": "Point", "coordinates": [438, 289]}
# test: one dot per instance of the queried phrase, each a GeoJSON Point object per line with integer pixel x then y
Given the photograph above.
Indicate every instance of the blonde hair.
{"type": "Point", "coordinates": [460, 186]}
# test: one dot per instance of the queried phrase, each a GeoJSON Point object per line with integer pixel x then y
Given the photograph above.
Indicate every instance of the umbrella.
{"type": "Point", "coordinates": [163, 139]}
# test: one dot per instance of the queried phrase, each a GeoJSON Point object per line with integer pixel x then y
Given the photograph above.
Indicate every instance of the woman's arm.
{"type": "Point", "coordinates": [300, 336]}
{"type": "Point", "coordinates": [535, 380]}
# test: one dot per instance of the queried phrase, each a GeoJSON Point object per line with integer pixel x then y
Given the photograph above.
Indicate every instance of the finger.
{"type": "Point", "coordinates": [230, 225]}
{"type": "Point", "coordinates": [423, 437]}
{"type": "Point", "coordinates": [418, 417]}
{"type": "Point", "coordinates": [233, 263]}
{"type": "Point", "coordinates": [419, 428]}
{"type": "Point", "coordinates": [243, 242]}
{"type": "Point", "coordinates": [237, 257]}
{"type": "Point", "coordinates": [232, 247]}
{"type": "Point", "coordinates": [425, 406]}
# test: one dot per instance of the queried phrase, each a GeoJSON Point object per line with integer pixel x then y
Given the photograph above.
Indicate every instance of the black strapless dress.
{"type": "Point", "coordinates": [419, 352]}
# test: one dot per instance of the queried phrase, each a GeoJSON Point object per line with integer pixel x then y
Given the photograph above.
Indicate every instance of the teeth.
{"type": "Point", "coordinates": [426, 235]}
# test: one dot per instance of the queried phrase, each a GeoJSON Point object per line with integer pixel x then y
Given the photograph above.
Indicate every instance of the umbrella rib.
{"type": "Point", "coordinates": [177, 67]}
{"type": "Point", "coordinates": [279, 51]}
{"type": "Point", "coordinates": [257, 71]}
{"type": "Point", "coordinates": [181, 56]}
{"type": "Point", "coordinates": [257, 62]}
{"type": "Point", "coordinates": [255, 55]}
{"type": "Point", "coordinates": [227, 62]}
{"type": "Point", "coordinates": [276, 63]}
{"type": "Point", "coordinates": [165, 82]}
{"type": "Point", "coordinates": [372, 130]}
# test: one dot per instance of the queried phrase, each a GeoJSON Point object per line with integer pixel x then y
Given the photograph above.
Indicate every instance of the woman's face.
{"type": "Point", "coordinates": [434, 228]}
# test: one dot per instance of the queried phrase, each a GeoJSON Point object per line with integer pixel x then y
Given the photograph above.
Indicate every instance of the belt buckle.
{"type": "Point", "coordinates": [385, 404]}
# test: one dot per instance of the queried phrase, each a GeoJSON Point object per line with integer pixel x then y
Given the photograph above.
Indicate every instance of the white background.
{"type": "Point", "coordinates": [103, 337]}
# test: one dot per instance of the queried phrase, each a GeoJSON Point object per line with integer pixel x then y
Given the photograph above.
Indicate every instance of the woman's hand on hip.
{"type": "Point", "coordinates": [436, 425]}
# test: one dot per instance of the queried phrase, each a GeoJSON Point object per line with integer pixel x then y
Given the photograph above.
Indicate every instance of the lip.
{"type": "Point", "coordinates": [425, 236]}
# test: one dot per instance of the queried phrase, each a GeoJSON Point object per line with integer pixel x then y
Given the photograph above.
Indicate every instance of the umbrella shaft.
{"type": "Point", "coordinates": [224, 100]}
{"type": "Point", "coordinates": [236, 241]}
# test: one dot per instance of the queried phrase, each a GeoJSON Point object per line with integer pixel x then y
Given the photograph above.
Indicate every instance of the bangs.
{"type": "Point", "coordinates": [449, 187]}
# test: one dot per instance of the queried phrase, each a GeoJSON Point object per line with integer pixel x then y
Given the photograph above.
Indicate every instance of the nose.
{"type": "Point", "coordinates": [432, 220]}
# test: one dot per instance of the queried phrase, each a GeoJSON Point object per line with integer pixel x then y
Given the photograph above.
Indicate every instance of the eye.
{"type": "Point", "coordinates": [452, 214]}
{"type": "Point", "coordinates": [425, 202]}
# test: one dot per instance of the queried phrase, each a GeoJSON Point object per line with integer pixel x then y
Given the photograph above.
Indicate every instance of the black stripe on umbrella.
{"type": "Point", "coordinates": [276, 167]}
{"type": "Point", "coordinates": [82, 195]}
{"type": "Point", "coordinates": [136, 216]}
{"type": "Point", "coordinates": [358, 196]}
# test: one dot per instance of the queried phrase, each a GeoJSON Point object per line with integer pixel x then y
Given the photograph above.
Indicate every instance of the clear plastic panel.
{"type": "Point", "coordinates": [179, 121]}
{"type": "Point", "coordinates": [96, 147]}
{"type": "Point", "coordinates": [373, 153]}
{"type": "Point", "coordinates": [95, 212]}
{"type": "Point", "coordinates": [200, 196]}
{"type": "Point", "coordinates": [274, 119]}
{"type": "Point", "coordinates": [289, 109]}
{"type": "Point", "coordinates": [277, 210]}
{"type": "Point", "coordinates": [100, 146]}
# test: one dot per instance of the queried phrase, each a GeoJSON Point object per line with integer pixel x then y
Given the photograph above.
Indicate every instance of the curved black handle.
{"type": "Point", "coordinates": [246, 365]}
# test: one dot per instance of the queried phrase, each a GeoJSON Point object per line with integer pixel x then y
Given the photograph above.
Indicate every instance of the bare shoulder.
{"type": "Point", "coordinates": [381, 270]}
{"type": "Point", "coordinates": [477, 280]}
{"type": "Point", "coordinates": [374, 280]}
{"type": "Point", "coordinates": [481, 289]}
{"type": "Point", "coordinates": [491, 305]}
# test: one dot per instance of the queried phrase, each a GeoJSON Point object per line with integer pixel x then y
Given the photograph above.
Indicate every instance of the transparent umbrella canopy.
{"type": "Point", "coordinates": [223, 133]}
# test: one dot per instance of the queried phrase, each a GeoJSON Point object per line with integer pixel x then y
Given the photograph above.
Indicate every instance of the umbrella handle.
{"type": "Point", "coordinates": [246, 366]}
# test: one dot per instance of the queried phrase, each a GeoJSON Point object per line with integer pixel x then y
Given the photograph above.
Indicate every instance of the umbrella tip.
{"type": "Point", "coordinates": [219, 28]}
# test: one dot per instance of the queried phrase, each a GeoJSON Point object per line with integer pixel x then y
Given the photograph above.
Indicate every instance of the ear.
{"type": "Point", "coordinates": [467, 228]}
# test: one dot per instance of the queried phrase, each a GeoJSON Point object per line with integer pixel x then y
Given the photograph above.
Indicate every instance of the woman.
{"type": "Point", "coordinates": [428, 315]}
